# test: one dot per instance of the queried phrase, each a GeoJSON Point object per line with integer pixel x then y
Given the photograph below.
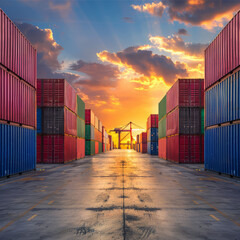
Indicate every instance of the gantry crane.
{"type": "Point", "coordinates": [129, 132]}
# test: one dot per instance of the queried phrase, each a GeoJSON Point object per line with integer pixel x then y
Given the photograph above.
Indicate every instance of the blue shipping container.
{"type": "Point", "coordinates": [222, 149]}
{"type": "Point", "coordinates": [222, 102]}
{"type": "Point", "coordinates": [39, 120]}
{"type": "Point", "coordinates": [17, 150]}
{"type": "Point", "coordinates": [152, 148]}
{"type": "Point", "coordinates": [152, 135]}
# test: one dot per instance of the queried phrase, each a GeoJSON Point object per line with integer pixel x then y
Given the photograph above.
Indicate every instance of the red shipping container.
{"type": "Point", "coordinates": [184, 148]}
{"type": "Point", "coordinates": [186, 93]}
{"type": "Point", "coordinates": [80, 148]}
{"type": "Point", "coordinates": [39, 148]}
{"type": "Point", "coordinates": [89, 117]}
{"type": "Point", "coordinates": [96, 147]}
{"type": "Point", "coordinates": [223, 55]}
{"type": "Point", "coordinates": [143, 147]}
{"type": "Point", "coordinates": [143, 137]}
{"type": "Point", "coordinates": [17, 100]}
{"type": "Point", "coordinates": [162, 148]}
{"type": "Point", "coordinates": [152, 121]}
{"type": "Point", "coordinates": [59, 149]}
{"type": "Point", "coordinates": [16, 53]}
{"type": "Point", "coordinates": [56, 93]}
{"type": "Point", "coordinates": [202, 150]}
{"type": "Point", "coordinates": [103, 147]}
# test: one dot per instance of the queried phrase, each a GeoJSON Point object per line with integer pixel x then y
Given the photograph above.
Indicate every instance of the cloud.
{"type": "Point", "coordinates": [176, 46]}
{"type": "Point", "coordinates": [182, 31]}
{"type": "Point", "coordinates": [62, 6]}
{"type": "Point", "coordinates": [206, 13]}
{"type": "Point", "coordinates": [147, 65]}
{"type": "Point", "coordinates": [98, 74]}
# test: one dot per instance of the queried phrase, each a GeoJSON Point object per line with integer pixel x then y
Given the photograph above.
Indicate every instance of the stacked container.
{"type": "Point", "coordinates": [90, 132]}
{"type": "Point", "coordinates": [57, 121]}
{"type": "Point", "coordinates": [99, 139]}
{"type": "Point", "coordinates": [222, 101]}
{"type": "Point", "coordinates": [138, 144]}
{"type": "Point", "coordinates": [80, 128]}
{"type": "Point", "coordinates": [143, 142]}
{"type": "Point", "coordinates": [152, 134]}
{"type": "Point", "coordinates": [162, 126]}
{"type": "Point", "coordinates": [184, 104]}
{"type": "Point", "coordinates": [17, 100]}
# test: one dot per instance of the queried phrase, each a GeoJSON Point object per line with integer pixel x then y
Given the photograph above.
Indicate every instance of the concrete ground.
{"type": "Point", "coordinates": [120, 195]}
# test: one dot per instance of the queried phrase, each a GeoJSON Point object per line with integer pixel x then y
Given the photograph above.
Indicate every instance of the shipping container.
{"type": "Point", "coordinates": [185, 148]}
{"type": "Point", "coordinates": [143, 147]}
{"type": "Point", "coordinates": [222, 101]}
{"type": "Point", "coordinates": [162, 148]}
{"type": "Point", "coordinates": [16, 52]}
{"type": "Point", "coordinates": [89, 147]}
{"type": "Point", "coordinates": [186, 93]}
{"type": "Point", "coordinates": [162, 108]}
{"type": "Point", "coordinates": [89, 132]}
{"type": "Point", "coordinates": [152, 148]}
{"type": "Point", "coordinates": [138, 138]}
{"type": "Point", "coordinates": [80, 148]}
{"type": "Point", "coordinates": [100, 147]}
{"type": "Point", "coordinates": [222, 55]}
{"type": "Point", "coordinates": [17, 100]}
{"type": "Point", "coordinates": [222, 149]}
{"type": "Point", "coordinates": [39, 148]}
{"type": "Point", "coordinates": [80, 108]}
{"type": "Point", "coordinates": [17, 149]}
{"type": "Point", "coordinates": [59, 120]}
{"type": "Point", "coordinates": [96, 122]}
{"type": "Point", "coordinates": [162, 127]}
{"type": "Point", "coordinates": [96, 147]}
{"type": "Point", "coordinates": [39, 120]}
{"type": "Point", "coordinates": [184, 120]}
{"type": "Point", "coordinates": [152, 135]}
{"type": "Point", "coordinates": [152, 121]}
{"type": "Point", "coordinates": [143, 137]}
{"type": "Point", "coordinates": [80, 128]}
{"type": "Point", "coordinates": [56, 93]}
{"type": "Point", "coordinates": [58, 148]}
{"type": "Point", "coordinates": [99, 126]}
{"type": "Point", "coordinates": [202, 120]}
{"type": "Point", "coordinates": [89, 117]}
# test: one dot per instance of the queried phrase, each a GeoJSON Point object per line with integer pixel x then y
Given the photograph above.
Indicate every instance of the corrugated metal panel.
{"type": "Point", "coordinates": [17, 100]}
{"type": "Point", "coordinates": [152, 134]}
{"type": "Point", "coordinates": [80, 108]}
{"type": "Point", "coordinates": [143, 137]}
{"type": "Point", "coordinates": [162, 127]}
{"type": "Point", "coordinates": [16, 52]}
{"type": "Point", "coordinates": [89, 147]}
{"type": "Point", "coordinates": [80, 148]}
{"type": "Point", "coordinates": [39, 148]}
{"type": "Point", "coordinates": [186, 93]}
{"type": "Point", "coordinates": [17, 150]}
{"type": "Point", "coordinates": [222, 101]}
{"type": "Point", "coordinates": [80, 128]}
{"type": "Point", "coordinates": [184, 148]}
{"type": "Point", "coordinates": [222, 149]}
{"type": "Point", "coordinates": [202, 120]}
{"type": "Point", "coordinates": [162, 108]}
{"type": "Point", "coordinates": [152, 121]}
{"type": "Point", "coordinates": [39, 120]}
{"type": "Point", "coordinates": [96, 147]}
{"type": "Point", "coordinates": [56, 93]}
{"type": "Point", "coordinates": [162, 148]}
{"type": "Point", "coordinates": [89, 117]}
{"type": "Point", "coordinates": [89, 132]}
{"type": "Point", "coordinates": [143, 147]}
{"type": "Point", "coordinates": [184, 120]}
{"type": "Point", "coordinates": [100, 147]}
{"type": "Point", "coordinates": [152, 148]}
{"type": "Point", "coordinates": [222, 55]}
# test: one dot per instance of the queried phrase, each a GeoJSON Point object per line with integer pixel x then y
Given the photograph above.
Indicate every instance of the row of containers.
{"type": "Point", "coordinates": [40, 120]}
{"type": "Point", "coordinates": [66, 130]}
{"type": "Point", "coordinates": [199, 120]}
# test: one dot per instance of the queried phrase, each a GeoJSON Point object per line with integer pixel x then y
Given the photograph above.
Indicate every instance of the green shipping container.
{"type": "Point", "coordinates": [162, 126]}
{"type": "Point", "coordinates": [202, 121]}
{"type": "Point", "coordinates": [80, 108]}
{"type": "Point", "coordinates": [89, 147]}
{"type": "Point", "coordinates": [100, 147]}
{"type": "Point", "coordinates": [162, 108]}
{"type": "Point", "coordinates": [80, 128]}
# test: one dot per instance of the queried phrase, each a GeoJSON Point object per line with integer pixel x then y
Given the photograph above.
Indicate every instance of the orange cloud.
{"type": "Point", "coordinates": [205, 13]}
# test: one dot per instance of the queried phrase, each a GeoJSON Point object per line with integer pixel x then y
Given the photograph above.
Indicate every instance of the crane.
{"type": "Point", "coordinates": [125, 129]}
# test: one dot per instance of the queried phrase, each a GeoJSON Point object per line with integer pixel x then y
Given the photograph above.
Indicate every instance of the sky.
{"type": "Point", "coordinates": [122, 56]}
